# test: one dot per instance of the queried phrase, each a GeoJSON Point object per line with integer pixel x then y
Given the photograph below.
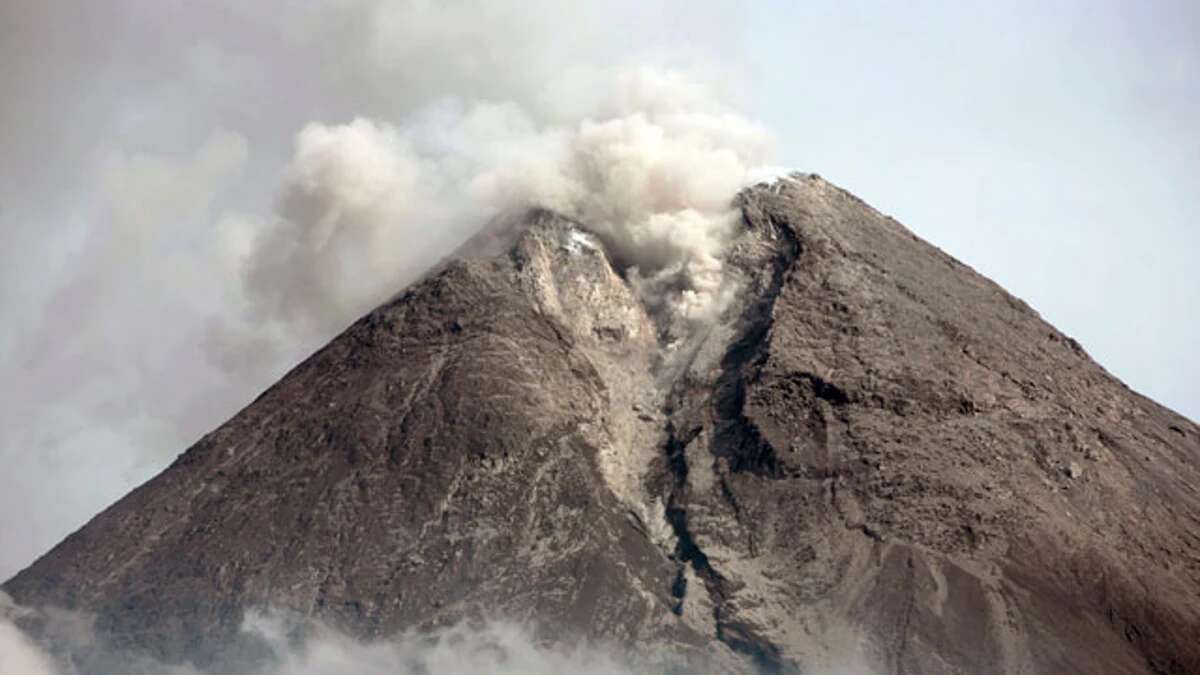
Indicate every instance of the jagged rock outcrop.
{"type": "Point", "coordinates": [878, 456]}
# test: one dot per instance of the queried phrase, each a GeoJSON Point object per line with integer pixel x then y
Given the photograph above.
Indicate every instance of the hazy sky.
{"type": "Point", "coordinates": [148, 148]}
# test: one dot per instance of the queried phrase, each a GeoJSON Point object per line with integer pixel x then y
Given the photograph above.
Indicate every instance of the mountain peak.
{"type": "Point", "coordinates": [869, 451]}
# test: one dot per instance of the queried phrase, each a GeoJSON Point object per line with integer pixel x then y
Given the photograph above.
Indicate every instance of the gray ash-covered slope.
{"type": "Point", "coordinates": [880, 456]}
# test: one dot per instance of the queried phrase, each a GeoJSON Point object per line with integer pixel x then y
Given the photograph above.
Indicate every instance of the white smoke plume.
{"type": "Point", "coordinates": [366, 205]}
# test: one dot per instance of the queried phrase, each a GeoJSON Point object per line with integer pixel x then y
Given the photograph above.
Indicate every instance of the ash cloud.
{"type": "Point", "coordinates": [210, 201]}
{"type": "Point", "coordinates": [366, 205]}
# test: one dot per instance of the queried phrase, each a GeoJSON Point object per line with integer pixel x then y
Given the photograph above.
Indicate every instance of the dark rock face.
{"type": "Point", "coordinates": [880, 456]}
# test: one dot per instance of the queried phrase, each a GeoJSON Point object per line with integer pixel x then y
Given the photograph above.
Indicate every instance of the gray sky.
{"type": "Point", "coordinates": [144, 145]}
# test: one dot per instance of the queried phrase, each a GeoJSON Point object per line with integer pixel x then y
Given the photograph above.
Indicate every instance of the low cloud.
{"type": "Point", "coordinates": [291, 646]}
{"type": "Point", "coordinates": [499, 648]}
{"type": "Point", "coordinates": [19, 656]}
{"type": "Point", "coordinates": [276, 642]}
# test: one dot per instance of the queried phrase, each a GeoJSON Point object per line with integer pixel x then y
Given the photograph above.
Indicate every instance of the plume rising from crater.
{"type": "Point", "coordinates": [651, 167]}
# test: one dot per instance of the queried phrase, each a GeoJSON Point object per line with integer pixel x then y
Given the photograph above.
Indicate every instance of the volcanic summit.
{"type": "Point", "coordinates": [873, 453]}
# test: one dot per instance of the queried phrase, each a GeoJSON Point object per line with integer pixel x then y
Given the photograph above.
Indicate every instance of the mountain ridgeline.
{"type": "Point", "coordinates": [876, 456]}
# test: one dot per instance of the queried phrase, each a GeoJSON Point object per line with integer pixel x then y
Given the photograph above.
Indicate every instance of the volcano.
{"type": "Point", "coordinates": [876, 453]}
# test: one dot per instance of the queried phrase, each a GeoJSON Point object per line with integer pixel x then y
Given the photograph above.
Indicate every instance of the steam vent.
{"type": "Point", "coordinates": [875, 456]}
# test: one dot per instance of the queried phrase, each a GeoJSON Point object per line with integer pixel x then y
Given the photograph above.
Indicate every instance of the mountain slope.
{"type": "Point", "coordinates": [878, 455]}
